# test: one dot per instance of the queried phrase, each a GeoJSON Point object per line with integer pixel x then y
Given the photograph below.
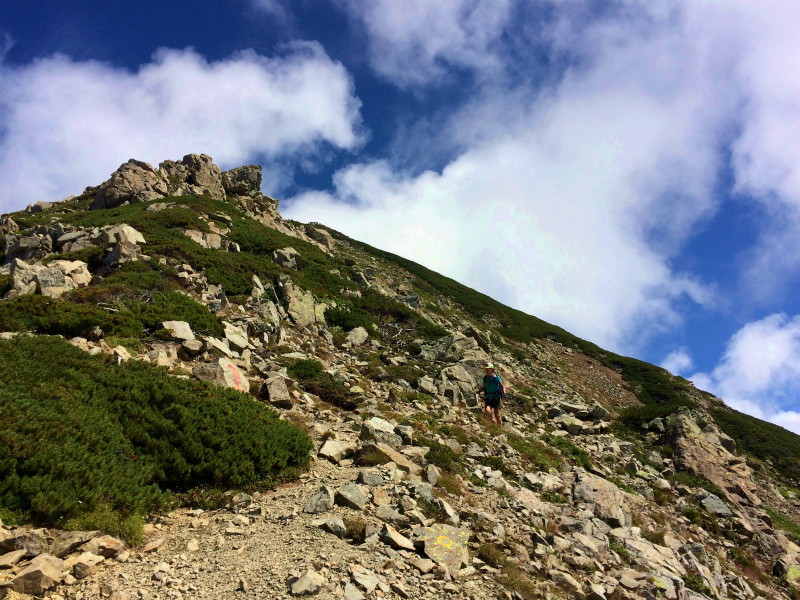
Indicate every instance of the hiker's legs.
{"type": "Point", "coordinates": [487, 412]}
{"type": "Point", "coordinates": [498, 418]}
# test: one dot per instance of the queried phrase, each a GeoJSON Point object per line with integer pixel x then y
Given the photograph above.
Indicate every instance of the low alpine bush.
{"type": "Point", "coordinates": [83, 439]}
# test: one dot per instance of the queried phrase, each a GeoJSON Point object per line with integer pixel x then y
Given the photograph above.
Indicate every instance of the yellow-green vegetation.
{"type": "Point", "coordinates": [533, 452]}
{"type": "Point", "coordinates": [84, 441]}
{"type": "Point", "coordinates": [129, 304]}
{"type": "Point", "coordinates": [766, 441]}
{"type": "Point", "coordinates": [782, 522]}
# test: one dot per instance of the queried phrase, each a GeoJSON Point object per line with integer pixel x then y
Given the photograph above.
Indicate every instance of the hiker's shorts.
{"type": "Point", "coordinates": [492, 401]}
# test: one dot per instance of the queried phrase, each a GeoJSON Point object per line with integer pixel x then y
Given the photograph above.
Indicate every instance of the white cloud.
{"type": "Point", "coordinates": [553, 218]}
{"type": "Point", "coordinates": [760, 371]}
{"type": "Point", "coordinates": [567, 202]}
{"type": "Point", "coordinates": [678, 362]}
{"type": "Point", "coordinates": [416, 41]}
{"type": "Point", "coordinates": [66, 124]}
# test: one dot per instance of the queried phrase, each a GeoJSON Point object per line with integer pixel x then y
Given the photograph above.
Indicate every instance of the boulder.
{"type": "Point", "coordinates": [357, 337]}
{"type": "Point", "coordinates": [274, 391]}
{"type": "Point", "coordinates": [134, 181]}
{"type": "Point", "coordinates": [320, 235]}
{"type": "Point", "coordinates": [69, 541]}
{"type": "Point", "coordinates": [242, 181]}
{"type": "Point", "coordinates": [288, 258]}
{"type": "Point", "coordinates": [222, 372]}
{"type": "Point", "coordinates": [381, 431]}
{"type": "Point", "coordinates": [104, 545]}
{"type": "Point", "coordinates": [33, 541]}
{"type": "Point", "coordinates": [445, 545]}
{"type": "Point", "coordinates": [121, 233]}
{"type": "Point", "coordinates": [391, 537]}
{"type": "Point", "coordinates": [320, 501]}
{"type": "Point", "coordinates": [715, 506]}
{"type": "Point", "coordinates": [350, 496]}
{"type": "Point", "coordinates": [237, 337]}
{"type": "Point", "coordinates": [608, 500]}
{"type": "Point", "coordinates": [86, 565]}
{"type": "Point", "coordinates": [335, 450]}
{"type": "Point", "coordinates": [179, 331]}
{"type": "Point", "coordinates": [333, 525]}
{"type": "Point", "coordinates": [38, 577]}
{"type": "Point", "coordinates": [308, 584]}
{"type": "Point", "coordinates": [122, 252]}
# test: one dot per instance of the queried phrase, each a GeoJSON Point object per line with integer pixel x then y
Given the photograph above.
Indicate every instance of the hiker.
{"type": "Point", "coordinates": [493, 392]}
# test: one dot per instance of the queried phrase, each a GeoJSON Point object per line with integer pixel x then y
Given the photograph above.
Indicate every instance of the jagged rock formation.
{"type": "Point", "coordinates": [410, 494]}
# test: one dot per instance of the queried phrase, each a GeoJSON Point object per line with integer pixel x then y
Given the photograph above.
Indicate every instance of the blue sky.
{"type": "Point", "coordinates": [627, 170]}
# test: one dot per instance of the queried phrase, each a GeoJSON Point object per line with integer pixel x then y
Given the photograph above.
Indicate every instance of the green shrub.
{"type": "Point", "coordinates": [347, 319]}
{"type": "Point", "coordinates": [79, 313]}
{"type": "Point", "coordinates": [5, 284]}
{"type": "Point", "coordinates": [310, 374]}
{"type": "Point", "coordinates": [83, 440]}
{"type": "Point", "coordinates": [692, 514]}
{"type": "Point", "coordinates": [695, 582]}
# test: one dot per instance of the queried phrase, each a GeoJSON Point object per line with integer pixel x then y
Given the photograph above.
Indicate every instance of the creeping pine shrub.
{"type": "Point", "coordinates": [84, 440]}
{"type": "Point", "coordinates": [314, 379]}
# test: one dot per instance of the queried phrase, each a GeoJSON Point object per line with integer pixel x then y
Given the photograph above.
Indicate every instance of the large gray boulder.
{"type": "Point", "coordinates": [608, 500]}
{"type": "Point", "coordinates": [134, 181]}
{"type": "Point", "coordinates": [242, 181]}
{"type": "Point", "coordinates": [222, 372]}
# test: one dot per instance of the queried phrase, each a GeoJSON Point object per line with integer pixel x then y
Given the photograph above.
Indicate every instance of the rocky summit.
{"type": "Point", "coordinates": [203, 400]}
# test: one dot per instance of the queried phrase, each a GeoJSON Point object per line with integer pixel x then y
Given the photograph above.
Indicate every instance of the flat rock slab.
{"type": "Point", "coordinates": [309, 583]}
{"type": "Point", "coordinates": [335, 450]}
{"type": "Point", "coordinates": [365, 578]}
{"type": "Point", "coordinates": [401, 461]}
{"type": "Point", "coordinates": [445, 545]}
{"type": "Point", "coordinates": [391, 537]}
{"type": "Point", "coordinates": [350, 496]}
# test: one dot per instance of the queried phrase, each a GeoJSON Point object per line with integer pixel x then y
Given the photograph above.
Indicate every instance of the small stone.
{"type": "Point", "coordinates": [365, 578]}
{"type": "Point", "coordinates": [154, 545]}
{"type": "Point", "coordinates": [243, 585]}
{"type": "Point", "coordinates": [105, 546]}
{"type": "Point", "coordinates": [391, 537]}
{"type": "Point", "coordinates": [308, 584]}
{"type": "Point", "coordinates": [193, 545]}
{"type": "Point", "coordinates": [400, 590]}
{"type": "Point", "coordinates": [351, 592]}
{"type": "Point", "coordinates": [321, 501]}
{"type": "Point", "coordinates": [179, 331]}
{"type": "Point", "coordinates": [333, 525]}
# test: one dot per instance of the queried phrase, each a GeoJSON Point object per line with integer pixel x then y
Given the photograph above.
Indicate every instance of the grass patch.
{"type": "Point", "coordinates": [621, 551]}
{"type": "Point", "coordinates": [450, 484]}
{"type": "Point", "coordinates": [370, 456]}
{"type": "Point", "coordinates": [696, 583]}
{"type": "Point", "coordinates": [783, 522]}
{"type": "Point", "coordinates": [654, 536]}
{"type": "Point", "coordinates": [695, 481]}
{"type": "Point", "coordinates": [579, 456]}
{"type": "Point", "coordinates": [440, 455]}
{"type": "Point", "coordinates": [534, 453]}
{"type": "Point", "coordinates": [83, 440]}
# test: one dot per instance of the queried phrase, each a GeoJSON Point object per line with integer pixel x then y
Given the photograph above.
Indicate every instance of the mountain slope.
{"type": "Point", "coordinates": [611, 478]}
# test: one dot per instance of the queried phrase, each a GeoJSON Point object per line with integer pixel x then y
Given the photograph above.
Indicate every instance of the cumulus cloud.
{"type": "Point", "coordinates": [568, 202]}
{"type": "Point", "coordinates": [677, 362]}
{"type": "Point", "coordinates": [552, 218]}
{"type": "Point", "coordinates": [65, 124]}
{"type": "Point", "coordinates": [416, 41]}
{"type": "Point", "coordinates": [759, 372]}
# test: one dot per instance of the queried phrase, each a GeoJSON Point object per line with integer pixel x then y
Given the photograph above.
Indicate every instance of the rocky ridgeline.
{"type": "Point", "coordinates": [555, 505]}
